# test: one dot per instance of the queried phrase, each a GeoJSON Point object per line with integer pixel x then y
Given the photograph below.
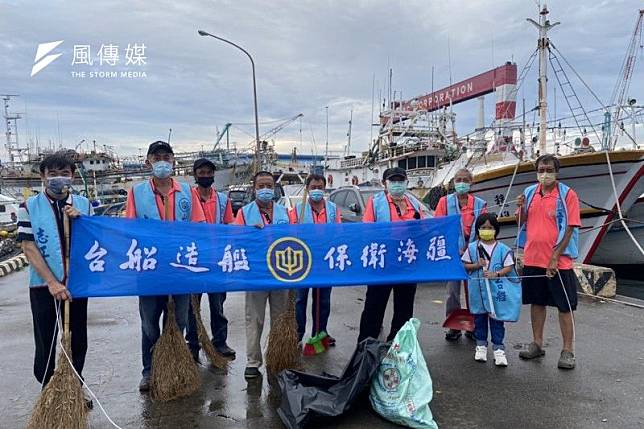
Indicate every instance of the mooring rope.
{"type": "Point", "coordinates": [60, 343]}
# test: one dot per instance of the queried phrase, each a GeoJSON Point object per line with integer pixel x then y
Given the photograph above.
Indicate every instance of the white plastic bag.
{"type": "Point", "coordinates": [401, 389]}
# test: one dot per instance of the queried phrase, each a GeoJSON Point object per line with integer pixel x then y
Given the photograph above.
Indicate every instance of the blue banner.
{"type": "Point", "coordinates": [130, 257]}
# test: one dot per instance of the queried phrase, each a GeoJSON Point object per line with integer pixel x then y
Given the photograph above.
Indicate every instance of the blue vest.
{"type": "Point", "coordinates": [252, 216]}
{"type": "Point", "coordinates": [46, 235]}
{"type": "Point", "coordinates": [146, 203]}
{"type": "Point", "coordinates": [222, 202]}
{"type": "Point", "coordinates": [506, 290]}
{"type": "Point", "coordinates": [330, 209]}
{"type": "Point", "coordinates": [454, 208]}
{"type": "Point", "coordinates": [381, 207]}
{"type": "Point", "coordinates": [561, 218]}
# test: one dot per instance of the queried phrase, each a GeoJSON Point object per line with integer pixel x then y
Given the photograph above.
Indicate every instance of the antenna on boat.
{"type": "Point", "coordinates": [348, 151]}
{"type": "Point", "coordinates": [373, 90]}
{"type": "Point", "coordinates": [326, 144]}
{"type": "Point", "coordinates": [543, 45]}
{"type": "Point", "coordinates": [449, 59]}
{"type": "Point", "coordinates": [169, 135]}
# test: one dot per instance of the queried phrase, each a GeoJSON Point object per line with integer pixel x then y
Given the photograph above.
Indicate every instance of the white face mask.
{"type": "Point", "coordinates": [546, 179]}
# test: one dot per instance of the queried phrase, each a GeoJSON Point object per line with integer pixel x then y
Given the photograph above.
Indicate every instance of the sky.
{"type": "Point", "coordinates": [308, 55]}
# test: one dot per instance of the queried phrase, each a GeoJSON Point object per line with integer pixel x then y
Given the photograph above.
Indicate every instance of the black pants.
{"type": "Point", "coordinates": [376, 304]}
{"type": "Point", "coordinates": [43, 311]}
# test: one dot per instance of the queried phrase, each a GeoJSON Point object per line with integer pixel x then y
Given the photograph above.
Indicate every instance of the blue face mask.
{"type": "Point", "coordinates": [396, 188]}
{"type": "Point", "coordinates": [462, 187]}
{"type": "Point", "coordinates": [316, 195]}
{"type": "Point", "coordinates": [162, 169]}
{"type": "Point", "coordinates": [265, 195]}
{"type": "Point", "coordinates": [59, 184]}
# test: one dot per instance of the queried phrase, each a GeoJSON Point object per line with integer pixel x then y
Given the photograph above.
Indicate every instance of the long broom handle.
{"type": "Point", "coordinates": [166, 207]}
{"type": "Point", "coordinates": [489, 297]}
{"type": "Point", "coordinates": [304, 202]}
{"type": "Point", "coordinates": [167, 211]}
{"type": "Point", "coordinates": [67, 250]}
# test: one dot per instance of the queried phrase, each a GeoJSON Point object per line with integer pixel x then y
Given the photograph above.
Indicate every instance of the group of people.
{"type": "Point", "coordinates": [548, 213]}
{"type": "Point", "coordinates": [548, 218]}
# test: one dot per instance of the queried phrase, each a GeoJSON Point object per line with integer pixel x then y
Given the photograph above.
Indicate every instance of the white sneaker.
{"type": "Point", "coordinates": [499, 358]}
{"type": "Point", "coordinates": [481, 354]}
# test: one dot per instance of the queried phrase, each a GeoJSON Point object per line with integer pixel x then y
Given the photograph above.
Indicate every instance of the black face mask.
{"type": "Point", "coordinates": [205, 182]}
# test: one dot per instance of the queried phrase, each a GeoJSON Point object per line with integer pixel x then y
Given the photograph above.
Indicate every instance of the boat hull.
{"type": "Point", "coordinates": [588, 174]}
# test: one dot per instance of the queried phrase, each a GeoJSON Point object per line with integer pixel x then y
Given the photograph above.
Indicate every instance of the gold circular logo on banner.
{"type": "Point", "coordinates": [289, 259]}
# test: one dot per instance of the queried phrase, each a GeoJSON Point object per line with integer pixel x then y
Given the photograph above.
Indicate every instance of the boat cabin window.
{"type": "Point", "coordinates": [412, 163]}
{"type": "Point", "coordinates": [3, 209]}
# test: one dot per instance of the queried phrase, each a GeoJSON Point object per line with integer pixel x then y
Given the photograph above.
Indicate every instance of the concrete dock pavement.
{"type": "Point", "coordinates": [605, 390]}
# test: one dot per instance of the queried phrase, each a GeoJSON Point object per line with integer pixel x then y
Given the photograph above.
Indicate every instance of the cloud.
{"type": "Point", "coordinates": [308, 55]}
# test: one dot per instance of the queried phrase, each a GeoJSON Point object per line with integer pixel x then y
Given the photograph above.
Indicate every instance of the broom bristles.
{"type": "Point", "coordinates": [216, 359]}
{"type": "Point", "coordinates": [174, 373]}
{"type": "Point", "coordinates": [61, 404]}
{"type": "Point", "coordinates": [282, 351]}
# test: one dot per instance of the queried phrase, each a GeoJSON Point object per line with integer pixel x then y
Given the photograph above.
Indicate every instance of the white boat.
{"type": "Point", "coordinates": [419, 135]}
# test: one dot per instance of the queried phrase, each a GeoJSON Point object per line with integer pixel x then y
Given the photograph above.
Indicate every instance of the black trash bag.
{"type": "Point", "coordinates": [307, 395]}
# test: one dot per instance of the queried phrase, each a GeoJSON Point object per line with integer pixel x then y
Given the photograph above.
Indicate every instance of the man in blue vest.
{"type": "Point", "coordinates": [460, 202]}
{"type": "Point", "coordinates": [217, 209]}
{"type": "Point", "coordinates": [161, 198]}
{"type": "Point", "coordinates": [394, 204]}
{"type": "Point", "coordinates": [316, 210]}
{"type": "Point", "coordinates": [260, 213]}
{"type": "Point", "coordinates": [41, 235]}
{"type": "Point", "coordinates": [550, 219]}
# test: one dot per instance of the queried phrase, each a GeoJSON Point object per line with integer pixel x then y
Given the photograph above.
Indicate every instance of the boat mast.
{"type": "Point", "coordinates": [543, 46]}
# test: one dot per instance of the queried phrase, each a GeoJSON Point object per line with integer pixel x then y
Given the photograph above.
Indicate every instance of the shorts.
{"type": "Point", "coordinates": [549, 292]}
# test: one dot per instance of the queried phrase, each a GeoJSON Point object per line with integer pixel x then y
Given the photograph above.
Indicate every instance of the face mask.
{"type": "Point", "coordinates": [396, 188]}
{"type": "Point", "coordinates": [316, 195]}
{"type": "Point", "coordinates": [546, 179]}
{"type": "Point", "coordinates": [161, 169]}
{"type": "Point", "coordinates": [205, 182]}
{"type": "Point", "coordinates": [59, 184]}
{"type": "Point", "coordinates": [462, 187]}
{"type": "Point", "coordinates": [265, 195]}
{"type": "Point", "coordinates": [486, 234]}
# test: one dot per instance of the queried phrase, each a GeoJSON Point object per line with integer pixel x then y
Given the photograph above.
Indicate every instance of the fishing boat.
{"type": "Point", "coordinates": [602, 163]}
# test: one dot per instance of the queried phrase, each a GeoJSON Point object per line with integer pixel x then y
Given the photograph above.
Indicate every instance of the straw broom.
{"type": "Point", "coordinates": [61, 404]}
{"type": "Point", "coordinates": [174, 372]}
{"type": "Point", "coordinates": [282, 351]}
{"type": "Point", "coordinates": [216, 359]}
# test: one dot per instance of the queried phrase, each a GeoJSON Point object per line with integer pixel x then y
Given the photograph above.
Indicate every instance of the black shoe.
{"type": "Point", "coordinates": [144, 385]}
{"type": "Point", "coordinates": [330, 340]}
{"type": "Point", "coordinates": [226, 352]}
{"type": "Point", "coordinates": [470, 335]}
{"type": "Point", "coordinates": [89, 404]}
{"type": "Point", "coordinates": [452, 335]}
{"type": "Point", "coordinates": [195, 355]}
{"type": "Point", "coordinates": [251, 372]}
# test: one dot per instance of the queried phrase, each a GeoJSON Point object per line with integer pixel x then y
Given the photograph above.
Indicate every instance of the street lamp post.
{"type": "Point", "coordinates": [252, 63]}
